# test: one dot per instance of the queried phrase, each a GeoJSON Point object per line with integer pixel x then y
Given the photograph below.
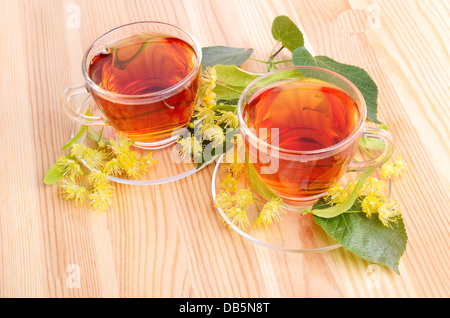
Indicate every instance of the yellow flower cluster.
{"type": "Point", "coordinates": [190, 147]}
{"type": "Point", "coordinates": [232, 162]}
{"type": "Point", "coordinates": [114, 159]}
{"type": "Point", "coordinates": [337, 194]}
{"type": "Point", "coordinates": [393, 170]}
{"type": "Point", "coordinates": [213, 118]}
{"type": "Point", "coordinates": [374, 194]}
{"type": "Point", "coordinates": [126, 161]}
{"type": "Point", "coordinates": [235, 201]}
{"type": "Point", "coordinates": [271, 211]}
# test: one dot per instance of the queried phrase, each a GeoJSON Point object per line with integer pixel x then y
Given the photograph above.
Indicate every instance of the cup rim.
{"type": "Point", "coordinates": [354, 134]}
{"type": "Point", "coordinates": [162, 94]}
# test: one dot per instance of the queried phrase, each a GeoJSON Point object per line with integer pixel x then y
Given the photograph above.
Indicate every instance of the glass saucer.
{"type": "Point", "coordinates": [170, 166]}
{"type": "Point", "coordinates": [295, 233]}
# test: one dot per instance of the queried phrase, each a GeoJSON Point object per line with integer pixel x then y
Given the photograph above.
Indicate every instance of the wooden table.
{"type": "Point", "coordinates": [168, 240]}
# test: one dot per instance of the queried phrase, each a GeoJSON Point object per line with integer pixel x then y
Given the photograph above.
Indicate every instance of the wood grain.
{"type": "Point", "coordinates": [168, 240]}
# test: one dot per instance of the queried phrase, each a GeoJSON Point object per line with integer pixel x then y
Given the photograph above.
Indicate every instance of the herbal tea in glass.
{"type": "Point", "coordinates": [144, 64]}
{"type": "Point", "coordinates": [304, 115]}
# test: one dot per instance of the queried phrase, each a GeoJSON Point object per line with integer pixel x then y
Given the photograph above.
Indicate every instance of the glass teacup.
{"type": "Point", "coordinates": [301, 127]}
{"type": "Point", "coordinates": [144, 78]}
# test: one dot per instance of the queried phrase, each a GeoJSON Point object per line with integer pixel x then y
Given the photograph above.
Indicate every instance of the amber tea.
{"type": "Point", "coordinates": [140, 65]}
{"type": "Point", "coordinates": [306, 115]}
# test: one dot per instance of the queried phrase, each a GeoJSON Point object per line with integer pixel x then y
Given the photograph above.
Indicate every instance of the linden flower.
{"type": "Point", "coordinates": [129, 163]}
{"type": "Point", "coordinates": [243, 198]}
{"type": "Point", "coordinates": [388, 170]}
{"type": "Point", "coordinates": [393, 170]}
{"type": "Point", "coordinates": [79, 151]}
{"type": "Point", "coordinates": [111, 158]}
{"type": "Point", "coordinates": [236, 168]}
{"type": "Point", "coordinates": [223, 200]}
{"type": "Point", "coordinates": [72, 191]}
{"type": "Point", "coordinates": [238, 217]}
{"type": "Point", "coordinates": [335, 195]}
{"type": "Point", "coordinates": [231, 156]}
{"type": "Point", "coordinates": [374, 186]}
{"type": "Point", "coordinates": [205, 114]}
{"type": "Point", "coordinates": [113, 168]}
{"type": "Point", "coordinates": [97, 177]}
{"type": "Point", "coordinates": [232, 164]}
{"type": "Point", "coordinates": [208, 80]}
{"type": "Point", "coordinates": [95, 159]}
{"type": "Point", "coordinates": [370, 204]}
{"type": "Point", "coordinates": [120, 144]}
{"type": "Point", "coordinates": [271, 211]}
{"type": "Point", "coordinates": [209, 100]}
{"type": "Point", "coordinates": [190, 147]}
{"type": "Point", "coordinates": [229, 119]}
{"type": "Point", "coordinates": [230, 183]}
{"type": "Point", "coordinates": [147, 162]}
{"type": "Point", "coordinates": [350, 187]}
{"type": "Point", "coordinates": [401, 163]}
{"type": "Point", "coordinates": [215, 134]}
{"type": "Point", "coordinates": [101, 197]}
{"type": "Point", "coordinates": [70, 168]}
{"type": "Point", "coordinates": [389, 211]}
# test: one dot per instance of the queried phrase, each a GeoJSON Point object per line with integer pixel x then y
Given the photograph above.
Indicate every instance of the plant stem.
{"type": "Point", "coordinates": [279, 50]}
{"type": "Point", "coordinates": [367, 152]}
{"type": "Point", "coordinates": [256, 205]}
{"type": "Point", "coordinates": [260, 61]}
{"type": "Point", "coordinates": [259, 200]}
{"type": "Point", "coordinates": [101, 133]}
{"type": "Point", "coordinates": [272, 55]}
{"type": "Point", "coordinates": [283, 61]}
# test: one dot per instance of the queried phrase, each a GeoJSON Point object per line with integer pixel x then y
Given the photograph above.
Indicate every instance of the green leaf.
{"type": "Point", "coordinates": [233, 88]}
{"type": "Point", "coordinates": [53, 175]}
{"type": "Point", "coordinates": [285, 31]}
{"type": "Point", "coordinates": [94, 135]}
{"type": "Point", "coordinates": [228, 92]}
{"type": "Point", "coordinates": [326, 211]}
{"type": "Point", "coordinates": [256, 183]}
{"type": "Point", "coordinates": [75, 138]}
{"type": "Point", "coordinates": [231, 81]}
{"type": "Point", "coordinates": [359, 77]}
{"type": "Point", "coordinates": [227, 108]}
{"type": "Point", "coordinates": [233, 75]}
{"type": "Point", "coordinates": [367, 238]}
{"type": "Point", "coordinates": [225, 55]}
{"type": "Point", "coordinates": [372, 143]}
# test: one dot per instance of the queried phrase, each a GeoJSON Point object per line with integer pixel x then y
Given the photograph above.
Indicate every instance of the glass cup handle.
{"type": "Point", "coordinates": [385, 137]}
{"type": "Point", "coordinates": [66, 104]}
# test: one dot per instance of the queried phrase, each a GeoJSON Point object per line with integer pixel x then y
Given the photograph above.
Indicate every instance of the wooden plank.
{"type": "Point", "coordinates": [168, 240]}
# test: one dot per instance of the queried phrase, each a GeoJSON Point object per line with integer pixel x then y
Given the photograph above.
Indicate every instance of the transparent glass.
{"type": "Point", "coordinates": [170, 167]}
{"type": "Point", "coordinates": [293, 167]}
{"type": "Point", "coordinates": [295, 233]}
{"type": "Point", "coordinates": [108, 100]}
